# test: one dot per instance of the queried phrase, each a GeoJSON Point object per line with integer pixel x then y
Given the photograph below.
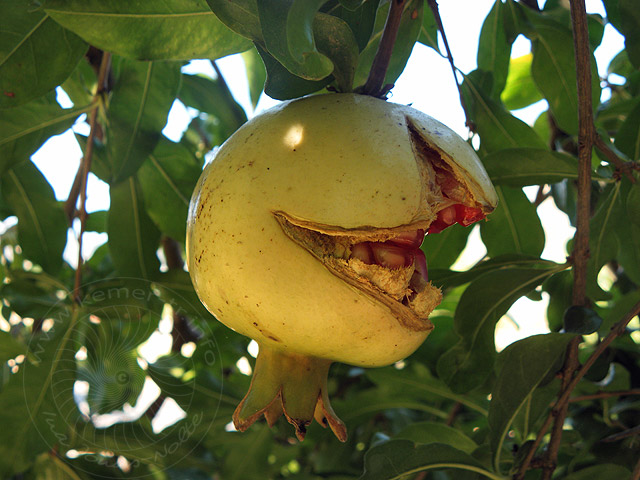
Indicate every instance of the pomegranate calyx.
{"type": "Point", "coordinates": [291, 384]}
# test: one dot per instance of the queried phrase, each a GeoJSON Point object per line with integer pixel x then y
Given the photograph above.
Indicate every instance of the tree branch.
{"type": "Point", "coordinates": [622, 166]}
{"type": "Point", "coordinates": [602, 395]}
{"type": "Point", "coordinates": [617, 330]}
{"type": "Point", "coordinates": [374, 85]}
{"type": "Point", "coordinates": [85, 168]}
{"type": "Point", "coordinates": [433, 5]}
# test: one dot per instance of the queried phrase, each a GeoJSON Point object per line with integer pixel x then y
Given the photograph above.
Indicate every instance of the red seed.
{"type": "Point", "coordinates": [408, 240]}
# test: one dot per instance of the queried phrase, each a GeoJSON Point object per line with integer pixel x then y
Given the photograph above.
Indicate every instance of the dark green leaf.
{"type": "Point", "coordinates": [553, 69]}
{"type": "Point", "coordinates": [274, 21]}
{"type": "Point", "coordinates": [603, 244]}
{"type": "Point", "coordinates": [256, 74]}
{"type": "Point", "coordinates": [42, 225]}
{"type": "Point", "coordinates": [409, 30]}
{"type": "Point", "coordinates": [468, 363]}
{"type": "Point", "coordinates": [175, 288]}
{"type": "Point", "coordinates": [630, 27]}
{"type": "Point", "coordinates": [33, 295]}
{"type": "Point", "coordinates": [126, 301]}
{"type": "Point", "coordinates": [336, 40]}
{"type": "Point", "coordinates": [213, 97]}
{"type": "Point", "coordinates": [560, 288]}
{"type": "Point", "coordinates": [96, 222]}
{"type": "Point", "coordinates": [628, 137]}
{"type": "Point", "coordinates": [25, 128]}
{"type": "Point", "coordinates": [443, 249]}
{"type": "Point", "coordinates": [81, 84]}
{"type": "Point", "coordinates": [432, 432]}
{"type": "Point", "coordinates": [494, 49]}
{"type": "Point", "coordinates": [606, 471]}
{"type": "Point", "coordinates": [36, 54]}
{"type": "Point", "coordinates": [299, 28]}
{"type": "Point", "coordinates": [628, 232]}
{"type": "Point", "coordinates": [448, 278]}
{"type": "Point", "coordinates": [519, 167]}
{"type": "Point", "coordinates": [514, 226]}
{"type": "Point", "coordinates": [167, 179]}
{"type": "Point", "coordinates": [133, 238]}
{"type": "Point", "coordinates": [37, 412]}
{"type": "Point", "coordinates": [140, 102]}
{"type": "Point", "coordinates": [524, 365]}
{"type": "Point", "coordinates": [360, 19]}
{"type": "Point", "coordinates": [241, 16]}
{"type": "Point", "coordinates": [281, 84]}
{"type": "Point", "coordinates": [520, 90]}
{"type": "Point", "coordinates": [429, 30]}
{"type": "Point", "coordinates": [169, 30]}
{"type": "Point", "coordinates": [581, 320]}
{"type": "Point", "coordinates": [397, 458]}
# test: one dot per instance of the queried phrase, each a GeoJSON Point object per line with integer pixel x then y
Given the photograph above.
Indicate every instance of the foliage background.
{"type": "Point", "coordinates": [456, 408]}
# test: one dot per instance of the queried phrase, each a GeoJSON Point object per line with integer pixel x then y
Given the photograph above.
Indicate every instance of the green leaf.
{"type": "Point", "coordinates": [498, 129]}
{"type": "Point", "coordinates": [133, 238]}
{"type": "Point", "coordinates": [256, 74]}
{"type": "Point", "coordinates": [36, 54]}
{"type": "Point", "coordinates": [274, 19]}
{"type": "Point", "coordinates": [42, 225]}
{"type": "Point", "coordinates": [80, 85]}
{"type": "Point", "coordinates": [519, 167]}
{"type": "Point", "coordinates": [25, 128]}
{"type": "Point", "coordinates": [443, 249]}
{"type": "Point", "coordinates": [628, 137]}
{"type": "Point", "coordinates": [33, 295]}
{"type": "Point", "coordinates": [520, 90]}
{"type": "Point", "coordinates": [281, 84]}
{"type": "Point", "coordinates": [603, 245]}
{"type": "Point", "coordinates": [241, 16]}
{"type": "Point", "coordinates": [96, 222]}
{"type": "Point", "coordinates": [168, 30]}
{"type": "Point", "coordinates": [409, 30]}
{"type": "Point", "coordinates": [581, 320]}
{"type": "Point", "coordinates": [514, 226]}
{"type": "Point", "coordinates": [432, 432]}
{"type": "Point", "coordinates": [468, 363]}
{"type": "Point", "coordinates": [429, 30]}
{"type": "Point", "coordinates": [140, 102]}
{"type": "Point", "coordinates": [630, 28]}
{"type": "Point", "coordinates": [628, 232]}
{"type": "Point", "coordinates": [175, 288]}
{"type": "Point", "coordinates": [360, 19]}
{"type": "Point", "coordinates": [397, 458]}
{"type": "Point", "coordinates": [213, 97]}
{"type": "Point", "coordinates": [554, 71]}
{"type": "Point", "coordinates": [299, 28]}
{"type": "Point", "coordinates": [167, 179]}
{"type": "Point", "coordinates": [524, 364]}
{"type": "Point", "coordinates": [36, 407]}
{"type": "Point", "coordinates": [605, 471]}
{"type": "Point", "coordinates": [494, 49]}
{"type": "Point", "coordinates": [449, 278]}
{"type": "Point", "coordinates": [335, 39]}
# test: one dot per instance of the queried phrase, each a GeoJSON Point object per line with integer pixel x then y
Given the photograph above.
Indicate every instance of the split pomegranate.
{"type": "Point", "coordinates": [304, 234]}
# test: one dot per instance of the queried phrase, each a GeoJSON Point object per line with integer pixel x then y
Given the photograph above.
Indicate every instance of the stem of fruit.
{"type": "Point", "coordinates": [375, 85]}
{"type": "Point", "coordinates": [289, 383]}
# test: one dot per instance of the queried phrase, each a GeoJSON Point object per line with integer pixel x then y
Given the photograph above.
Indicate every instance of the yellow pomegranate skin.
{"type": "Point", "coordinates": [346, 167]}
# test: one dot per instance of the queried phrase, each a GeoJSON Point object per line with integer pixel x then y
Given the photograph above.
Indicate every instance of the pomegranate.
{"type": "Point", "coordinates": [304, 234]}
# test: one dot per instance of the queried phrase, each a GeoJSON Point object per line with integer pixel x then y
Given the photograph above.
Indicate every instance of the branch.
{"type": "Point", "coordinates": [433, 5]}
{"type": "Point", "coordinates": [85, 168]}
{"type": "Point", "coordinates": [601, 395]}
{"type": "Point", "coordinates": [375, 82]}
{"type": "Point", "coordinates": [622, 166]}
{"type": "Point", "coordinates": [617, 330]}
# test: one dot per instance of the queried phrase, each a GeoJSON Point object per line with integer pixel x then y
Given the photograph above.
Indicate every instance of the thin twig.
{"type": "Point", "coordinates": [375, 85]}
{"type": "Point", "coordinates": [602, 395]}
{"type": "Point", "coordinates": [85, 166]}
{"type": "Point", "coordinates": [617, 330]}
{"type": "Point", "coordinates": [636, 471]}
{"type": "Point", "coordinates": [608, 152]}
{"type": "Point", "coordinates": [433, 5]}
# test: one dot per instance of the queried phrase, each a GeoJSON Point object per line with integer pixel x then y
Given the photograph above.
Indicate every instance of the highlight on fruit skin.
{"type": "Point", "coordinates": [304, 234]}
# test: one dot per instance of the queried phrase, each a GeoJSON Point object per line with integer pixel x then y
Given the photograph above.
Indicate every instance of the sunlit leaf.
{"type": "Point", "coordinates": [520, 90]}
{"type": "Point", "coordinates": [168, 30]}
{"type": "Point", "coordinates": [628, 137]}
{"type": "Point", "coordinates": [256, 74]}
{"type": "Point", "coordinates": [494, 49]}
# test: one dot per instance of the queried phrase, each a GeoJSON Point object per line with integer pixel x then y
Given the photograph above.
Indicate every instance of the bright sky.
{"type": "Point", "coordinates": [426, 83]}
